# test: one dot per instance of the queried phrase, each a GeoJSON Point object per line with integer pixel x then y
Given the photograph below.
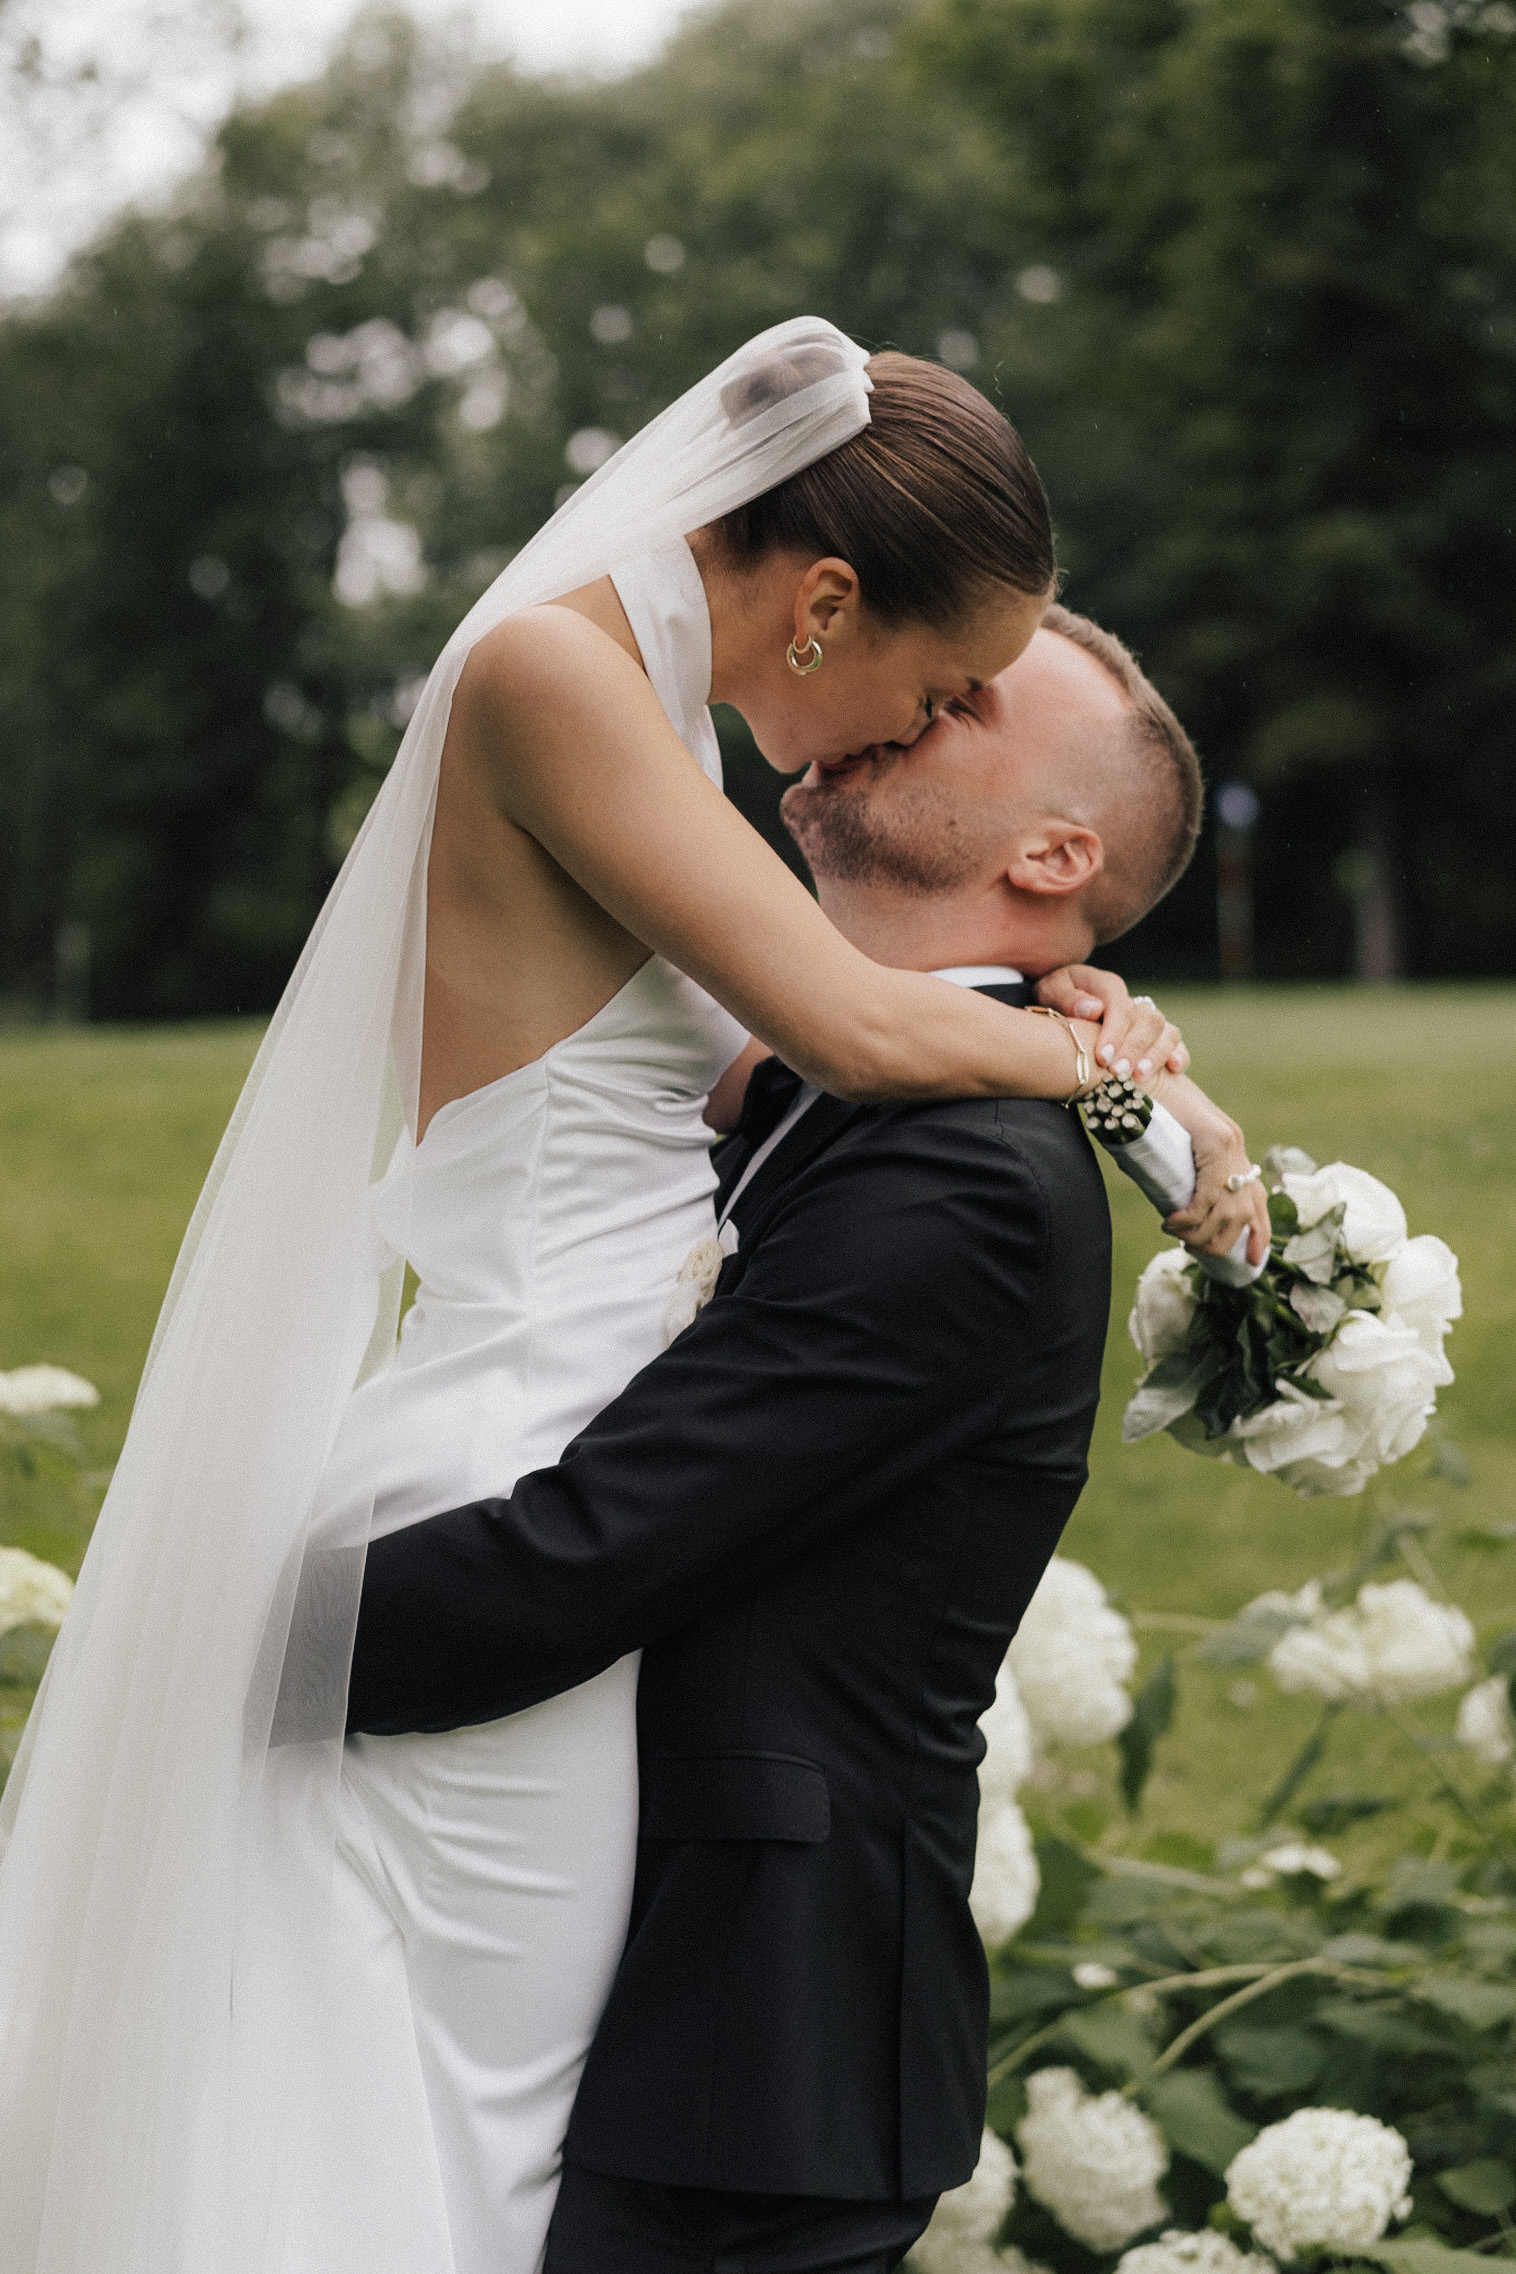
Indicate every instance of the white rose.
{"type": "Point", "coordinates": [1070, 1658]}
{"type": "Point", "coordinates": [1324, 2179]}
{"type": "Point", "coordinates": [1007, 1732]}
{"type": "Point", "coordinates": [1384, 1379]}
{"type": "Point", "coordinates": [1164, 1306]}
{"type": "Point", "coordinates": [1484, 1722]}
{"type": "Point", "coordinates": [32, 1593]}
{"type": "Point", "coordinates": [695, 1281]}
{"type": "Point", "coordinates": [1094, 2160]}
{"type": "Point", "coordinates": [1006, 1880]}
{"type": "Point", "coordinates": [1205, 2253]}
{"type": "Point", "coordinates": [1394, 1644]}
{"type": "Point", "coordinates": [1421, 1288]}
{"type": "Point", "coordinates": [44, 1389]}
{"type": "Point", "coordinates": [1298, 1428]}
{"type": "Point", "coordinates": [968, 2218]}
{"type": "Point", "coordinates": [1373, 1229]}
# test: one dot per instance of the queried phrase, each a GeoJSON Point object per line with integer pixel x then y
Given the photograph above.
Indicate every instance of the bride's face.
{"type": "Point", "coordinates": [876, 683]}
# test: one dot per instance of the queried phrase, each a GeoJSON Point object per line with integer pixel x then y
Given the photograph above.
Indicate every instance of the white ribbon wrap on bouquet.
{"type": "Point", "coordinates": [1161, 1163]}
{"type": "Point", "coordinates": [166, 1918]}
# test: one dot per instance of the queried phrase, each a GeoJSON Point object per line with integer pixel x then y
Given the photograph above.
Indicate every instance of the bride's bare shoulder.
{"type": "Point", "coordinates": [586, 631]}
{"type": "Point", "coordinates": [535, 687]}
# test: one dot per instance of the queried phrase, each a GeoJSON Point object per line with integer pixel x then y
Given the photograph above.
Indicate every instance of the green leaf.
{"type": "Point", "coordinates": [1284, 1216]}
{"type": "Point", "coordinates": [1195, 2116]}
{"type": "Point", "coordinates": [1501, 1655]}
{"type": "Point", "coordinates": [1382, 2027]}
{"type": "Point", "coordinates": [1110, 2037]}
{"type": "Point", "coordinates": [1483, 2005]}
{"type": "Point", "coordinates": [1335, 1811]}
{"type": "Point", "coordinates": [1152, 1716]}
{"type": "Point", "coordinates": [24, 1652]}
{"type": "Point", "coordinates": [1007, 2105]}
{"type": "Point", "coordinates": [1487, 2186]}
{"type": "Point", "coordinates": [1066, 1880]}
{"type": "Point", "coordinates": [1451, 1463]}
{"type": "Point", "coordinates": [1422, 2257]}
{"type": "Point", "coordinates": [1269, 2063]}
{"type": "Point", "coordinates": [1313, 1253]}
{"type": "Point", "coordinates": [1305, 1761]}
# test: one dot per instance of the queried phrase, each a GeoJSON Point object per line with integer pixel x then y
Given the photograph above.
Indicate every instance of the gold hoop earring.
{"type": "Point", "coordinates": [812, 649]}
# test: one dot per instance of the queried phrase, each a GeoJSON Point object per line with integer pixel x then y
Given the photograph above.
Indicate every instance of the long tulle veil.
{"type": "Point", "coordinates": [165, 1892]}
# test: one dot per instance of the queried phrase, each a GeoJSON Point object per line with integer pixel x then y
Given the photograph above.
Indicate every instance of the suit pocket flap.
{"type": "Point", "coordinates": [735, 1796]}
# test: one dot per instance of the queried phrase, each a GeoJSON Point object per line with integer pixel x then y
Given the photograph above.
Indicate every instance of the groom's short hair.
{"type": "Point", "coordinates": [1161, 794]}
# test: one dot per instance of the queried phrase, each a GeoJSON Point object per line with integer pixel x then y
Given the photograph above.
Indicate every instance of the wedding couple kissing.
{"type": "Point", "coordinates": [506, 1798]}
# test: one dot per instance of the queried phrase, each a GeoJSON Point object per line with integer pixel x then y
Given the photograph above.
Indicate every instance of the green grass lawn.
{"type": "Point", "coordinates": [106, 1135]}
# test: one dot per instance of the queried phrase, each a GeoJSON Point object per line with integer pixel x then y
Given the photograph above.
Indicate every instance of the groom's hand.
{"type": "Point", "coordinates": [1135, 1037]}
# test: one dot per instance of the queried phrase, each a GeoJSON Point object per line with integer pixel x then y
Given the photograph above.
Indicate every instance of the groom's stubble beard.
{"type": "Point", "coordinates": [861, 827]}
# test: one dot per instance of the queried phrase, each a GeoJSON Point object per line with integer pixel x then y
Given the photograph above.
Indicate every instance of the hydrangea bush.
{"type": "Point", "coordinates": [37, 1437]}
{"type": "Point", "coordinates": [1276, 2060]}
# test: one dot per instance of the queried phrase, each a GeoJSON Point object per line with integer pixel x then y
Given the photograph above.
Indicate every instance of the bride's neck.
{"type": "Point", "coordinates": [750, 609]}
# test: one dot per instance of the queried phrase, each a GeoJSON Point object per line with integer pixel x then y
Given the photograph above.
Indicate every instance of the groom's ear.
{"type": "Point", "coordinates": [1055, 858]}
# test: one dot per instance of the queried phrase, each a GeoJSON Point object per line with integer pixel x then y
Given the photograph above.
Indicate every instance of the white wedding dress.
{"type": "Point", "coordinates": [484, 1877]}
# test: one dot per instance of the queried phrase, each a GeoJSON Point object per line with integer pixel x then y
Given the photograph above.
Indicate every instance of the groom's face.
{"type": "Point", "coordinates": [943, 814]}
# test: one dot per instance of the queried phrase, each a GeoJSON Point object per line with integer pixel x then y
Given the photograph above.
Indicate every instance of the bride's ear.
{"type": "Point", "coordinates": [1056, 858]}
{"type": "Point", "coordinates": [827, 601]}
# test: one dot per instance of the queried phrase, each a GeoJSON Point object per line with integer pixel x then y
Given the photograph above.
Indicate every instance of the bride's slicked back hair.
{"type": "Point", "coordinates": [934, 504]}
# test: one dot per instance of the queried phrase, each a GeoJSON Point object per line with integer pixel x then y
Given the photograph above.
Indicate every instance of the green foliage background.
{"type": "Point", "coordinates": [1241, 271]}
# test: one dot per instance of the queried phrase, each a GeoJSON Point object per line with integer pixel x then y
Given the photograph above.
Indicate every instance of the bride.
{"type": "Point", "coordinates": [270, 2005]}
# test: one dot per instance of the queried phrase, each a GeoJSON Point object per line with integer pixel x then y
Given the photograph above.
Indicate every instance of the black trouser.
{"type": "Point", "coordinates": [604, 2225]}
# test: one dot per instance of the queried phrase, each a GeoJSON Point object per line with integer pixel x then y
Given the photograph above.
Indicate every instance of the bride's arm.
{"type": "Point", "coordinates": [576, 750]}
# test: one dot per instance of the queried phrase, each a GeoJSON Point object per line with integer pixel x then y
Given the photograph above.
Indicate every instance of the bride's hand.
{"type": "Point", "coordinates": [1135, 1037]}
{"type": "Point", "coordinates": [1215, 1217]}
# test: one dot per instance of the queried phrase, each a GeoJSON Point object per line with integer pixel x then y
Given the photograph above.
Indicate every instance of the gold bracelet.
{"type": "Point", "coordinates": [1084, 1072]}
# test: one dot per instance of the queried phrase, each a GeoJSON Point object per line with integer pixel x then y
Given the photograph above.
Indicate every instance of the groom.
{"type": "Point", "coordinates": [822, 1513]}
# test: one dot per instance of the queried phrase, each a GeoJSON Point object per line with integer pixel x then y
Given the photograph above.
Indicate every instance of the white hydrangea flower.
{"type": "Point", "coordinates": [1094, 1974]}
{"type": "Point", "coordinates": [32, 1593]}
{"type": "Point", "coordinates": [1384, 1379]}
{"type": "Point", "coordinates": [1485, 1725]}
{"type": "Point", "coordinates": [967, 2219]}
{"type": "Point", "coordinates": [1164, 1306]}
{"type": "Point", "coordinates": [1373, 1227]}
{"type": "Point", "coordinates": [1093, 2159]}
{"type": "Point", "coordinates": [1205, 2253]}
{"type": "Point", "coordinates": [1007, 1732]}
{"type": "Point", "coordinates": [44, 1389]}
{"type": "Point", "coordinates": [1422, 1288]}
{"type": "Point", "coordinates": [1070, 1658]}
{"type": "Point", "coordinates": [1324, 2179]}
{"type": "Point", "coordinates": [1394, 1644]}
{"type": "Point", "coordinates": [1299, 1855]}
{"type": "Point", "coordinates": [1006, 1879]}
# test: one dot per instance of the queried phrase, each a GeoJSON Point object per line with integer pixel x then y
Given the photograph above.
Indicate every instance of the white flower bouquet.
{"type": "Point", "coordinates": [1327, 1367]}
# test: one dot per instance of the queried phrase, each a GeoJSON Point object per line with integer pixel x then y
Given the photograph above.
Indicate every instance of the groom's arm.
{"type": "Point", "coordinates": [888, 1318]}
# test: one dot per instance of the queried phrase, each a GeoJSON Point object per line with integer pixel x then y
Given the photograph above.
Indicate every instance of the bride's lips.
{"type": "Point", "coordinates": [833, 768]}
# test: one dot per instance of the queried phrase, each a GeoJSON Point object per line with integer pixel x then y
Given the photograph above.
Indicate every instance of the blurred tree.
{"type": "Point", "coordinates": [1267, 360]}
{"type": "Point", "coordinates": [1241, 274]}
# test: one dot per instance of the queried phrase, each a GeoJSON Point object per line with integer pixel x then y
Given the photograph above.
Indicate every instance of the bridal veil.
{"type": "Point", "coordinates": [165, 1891]}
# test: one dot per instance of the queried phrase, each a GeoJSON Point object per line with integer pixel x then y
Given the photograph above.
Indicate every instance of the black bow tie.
{"type": "Point", "coordinates": [772, 1089]}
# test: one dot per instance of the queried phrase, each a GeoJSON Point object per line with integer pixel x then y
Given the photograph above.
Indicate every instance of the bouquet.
{"type": "Point", "coordinates": [1327, 1367]}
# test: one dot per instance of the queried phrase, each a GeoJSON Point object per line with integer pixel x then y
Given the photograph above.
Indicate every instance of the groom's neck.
{"type": "Point", "coordinates": [930, 932]}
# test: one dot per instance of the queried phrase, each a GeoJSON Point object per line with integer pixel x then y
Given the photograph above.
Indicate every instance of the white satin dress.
{"type": "Point", "coordinates": [484, 1877]}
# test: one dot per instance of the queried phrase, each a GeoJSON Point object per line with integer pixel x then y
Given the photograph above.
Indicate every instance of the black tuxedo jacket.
{"type": "Point", "coordinates": [822, 1512]}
